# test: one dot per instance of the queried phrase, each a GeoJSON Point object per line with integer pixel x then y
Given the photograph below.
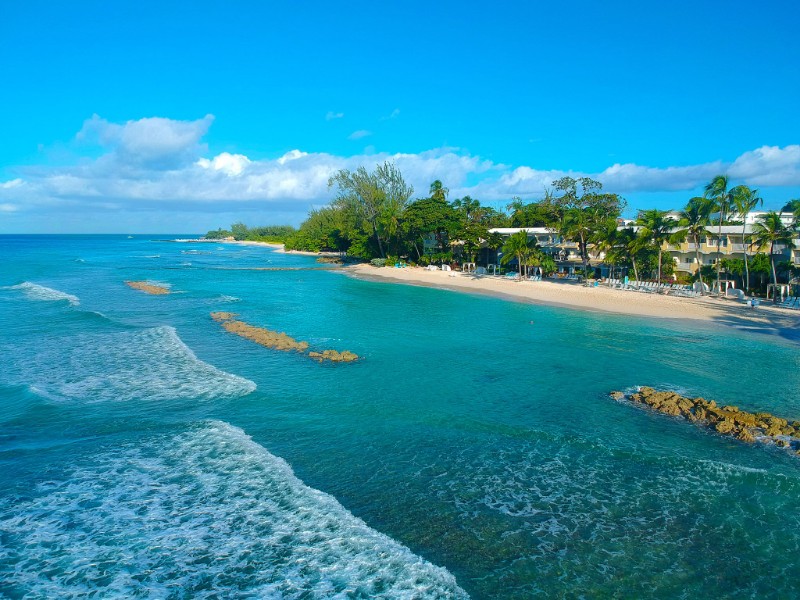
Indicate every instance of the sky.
{"type": "Point", "coordinates": [168, 117]}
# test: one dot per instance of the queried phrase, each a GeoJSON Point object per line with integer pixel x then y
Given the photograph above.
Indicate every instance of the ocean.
{"type": "Point", "coordinates": [472, 451]}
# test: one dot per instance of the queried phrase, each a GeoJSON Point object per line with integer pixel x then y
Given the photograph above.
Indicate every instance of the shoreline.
{"type": "Point", "coordinates": [705, 310]}
{"type": "Point", "coordinates": [572, 295]}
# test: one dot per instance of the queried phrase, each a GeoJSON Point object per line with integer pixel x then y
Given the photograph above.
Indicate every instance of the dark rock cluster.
{"type": "Point", "coordinates": [726, 420]}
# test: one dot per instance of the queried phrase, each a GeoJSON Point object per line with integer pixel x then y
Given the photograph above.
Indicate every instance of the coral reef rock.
{"type": "Point", "coordinates": [727, 420]}
{"type": "Point", "coordinates": [277, 340]}
{"type": "Point", "coordinates": [148, 288]}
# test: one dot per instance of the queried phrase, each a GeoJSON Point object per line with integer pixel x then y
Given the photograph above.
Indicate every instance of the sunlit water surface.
{"type": "Point", "coordinates": [145, 451]}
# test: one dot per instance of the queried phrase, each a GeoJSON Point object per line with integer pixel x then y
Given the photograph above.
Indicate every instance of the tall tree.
{"type": "Point", "coordinates": [656, 228]}
{"type": "Point", "coordinates": [520, 247]}
{"type": "Point", "coordinates": [429, 216]}
{"type": "Point", "coordinates": [627, 249]}
{"type": "Point", "coordinates": [717, 192]}
{"type": "Point", "coordinates": [584, 209]}
{"type": "Point", "coordinates": [604, 239]}
{"type": "Point", "coordinates": [744, 200]}
{"type": "Point", "coordinates": [771, 230]}
{"type": "Point", "coordinates": [693, 221]}
{"type": "Point", "coordinates": [438, 191]}
{"type": "Point", "coordinates": [371, 195]}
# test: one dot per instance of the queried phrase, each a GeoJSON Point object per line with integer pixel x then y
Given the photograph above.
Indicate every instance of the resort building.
{"type": "Point", "coordinates": [733, 242]}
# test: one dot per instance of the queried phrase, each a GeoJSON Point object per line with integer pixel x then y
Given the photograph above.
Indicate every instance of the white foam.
{"type": "Point", "coordinates": [205, 514]}
{"type": "Point", "coordinates": [34, 291]}
{"type": "Point", "coordinates": [152, 364]}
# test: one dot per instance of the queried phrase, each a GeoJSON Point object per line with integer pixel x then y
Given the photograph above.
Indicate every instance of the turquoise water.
{"type": "Point", "coordinates": [146, 452]}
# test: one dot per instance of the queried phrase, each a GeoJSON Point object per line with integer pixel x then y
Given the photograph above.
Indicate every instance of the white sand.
{"type": "Point", "coordinates": [765, 319]}
{"type": "Point", "coordinates": [575, 295]}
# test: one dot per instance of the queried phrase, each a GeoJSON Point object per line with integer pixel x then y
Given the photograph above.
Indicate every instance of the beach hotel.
{"type": "Point", "coordinates": [734, 240]}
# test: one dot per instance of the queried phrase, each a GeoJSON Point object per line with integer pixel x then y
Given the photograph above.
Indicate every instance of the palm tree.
{"type": "Point", "coordinates": [604, 239]}
{"type": "Point", "coordinates": [771, 230]}
{"type": "Point", "coordinates": [656, 228]}
{"type": "Point", "coordinates": [578, 226]}
{"type": "Point", "coordinates": [518, 246]}
{"type": "Point", "coordinates": [693, 220]}
{"type": "Point", "coordinates": [717, 192]}
{"type": "Point", "coordinates": [745, 200]}
{"type": "Point", "coordinates": [626, 248]}
{"type": "Point", "coordinates": [438, 191]}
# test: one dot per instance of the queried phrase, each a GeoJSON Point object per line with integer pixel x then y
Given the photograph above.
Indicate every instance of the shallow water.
{"type": "Point", "coordinates": [144, 451]}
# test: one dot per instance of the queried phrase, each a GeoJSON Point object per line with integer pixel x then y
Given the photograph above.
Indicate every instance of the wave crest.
{"type": "Point", "coordinates": [208, 512]}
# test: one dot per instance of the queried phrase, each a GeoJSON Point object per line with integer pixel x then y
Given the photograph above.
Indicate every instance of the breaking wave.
{"type": "Point", "coordinates": [34, 291]}
{"type": "Point", "coordinates": [204, 514]}
{"type": "Point", "coordinates": [150, 364]}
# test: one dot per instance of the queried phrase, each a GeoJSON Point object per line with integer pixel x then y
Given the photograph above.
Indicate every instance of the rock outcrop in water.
{"type": "Point", "coordinates": [148, 288]}
{"type": "Point", "coordinates": [277, 340]}
{"type": "Point", "coordinates": [726, 420]}
{"type": "Point", "coordinates": [333, 356]}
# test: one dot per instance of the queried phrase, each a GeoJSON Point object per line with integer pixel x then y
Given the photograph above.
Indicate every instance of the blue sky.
{"type": "Point", "coordinates": [136, 116]}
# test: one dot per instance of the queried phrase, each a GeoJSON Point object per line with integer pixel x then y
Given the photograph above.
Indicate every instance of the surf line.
{"type": "Point", "coordinates": [277, 340]}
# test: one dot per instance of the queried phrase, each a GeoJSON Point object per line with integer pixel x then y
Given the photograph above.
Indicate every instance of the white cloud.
{"type": "Point", "coordinates": [768, 165]}
{"type": "Point", "coordinates": [333, 115]}
{"type": "Point", "coordinates": [154, 143]}
{"type": "Point", "coordinates": [291, 155]}
{"type": "Point", "coordinates": [357, 135]}
{"type": "Point", "coordinates": [230, 164]}
{"type": "Point", "coordinates": [7, 185]}
{"type": "Point", "coordinates": [154, 165]}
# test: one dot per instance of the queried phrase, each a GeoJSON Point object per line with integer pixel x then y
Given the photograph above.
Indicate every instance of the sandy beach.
{"type": "Point", "coordinates": [765, 319]}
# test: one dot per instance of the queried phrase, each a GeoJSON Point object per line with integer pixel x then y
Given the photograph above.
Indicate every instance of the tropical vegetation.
{"type": "Point", "coordinates": [375, 216]}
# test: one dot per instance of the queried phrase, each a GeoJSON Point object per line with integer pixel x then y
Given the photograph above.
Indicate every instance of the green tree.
{"type": "Point", "coordinates": [429, 216]}
{"type": "Point", "coordinates": [239, 231]}
{"type": "Point", "coordinates": [438, 191]}
{"type": "Point", "coordinates": [218, 234]}
{"type": "Point", "coordinates": [518, 246]}
{"type": "Point", "coordinates": [536, 214]}
{"type": "Point", "coordinates": [693, 221]}
{"type": "Point", "coordinates": [717, 192]}
{"type": "Point", "coordinates": [324, 230]}
{"type": "Point", "coordinates": [793, 206]}
{"type": "Point", "coordinates": [604, 239]}
{"type": "Point", "coordinates": [656, 228]}
{"type": "Point", "coordinates": [770, 230]}
{"type": "Point", "coordinates": [584, 210]}
{"type": "Point", "coordinates": [371, 196]}
{"type": "Point", "coordinates": [628, 249]}
{"type": "Point", "coordinates": [744, 200]}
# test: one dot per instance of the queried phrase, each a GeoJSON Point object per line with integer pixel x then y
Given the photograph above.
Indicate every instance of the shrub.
{"type": "Point", "coordinates": [378, 262]}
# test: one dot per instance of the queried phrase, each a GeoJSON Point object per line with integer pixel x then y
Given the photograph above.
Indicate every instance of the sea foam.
{"type": "Point", "coordinates": [207, 513]}
{"type": "Point", "coordinates": [34, 291]}
{"type": "Point", "coordinates": [152, 364]}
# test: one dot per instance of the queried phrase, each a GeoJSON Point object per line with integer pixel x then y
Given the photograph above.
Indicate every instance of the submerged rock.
{"type": "Point", "coordinates": [148, 288]}
{"type": "Point", "coordinates": [727, 420]}
{"type": "Point", "coordinates": [333, 356]}
{"type": "Point", "coordinates": [277, 340]}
